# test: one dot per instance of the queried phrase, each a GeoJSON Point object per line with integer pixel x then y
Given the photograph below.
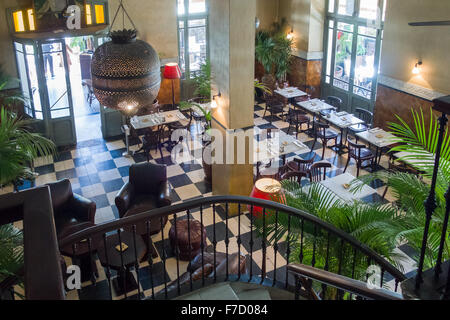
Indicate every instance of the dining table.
{"type": "Point", "coordinates": [340, 185]}
{"type": "Point", "coordinates": [342, 120]}
{"type": "Point", "coordinates": [280, 145]}
{"type": "Point", "coordinates": [290, 93]}
{"type": "Point", "coordinates": [378, 138]}
{"type": "Point", "coordinates": [156, 119]}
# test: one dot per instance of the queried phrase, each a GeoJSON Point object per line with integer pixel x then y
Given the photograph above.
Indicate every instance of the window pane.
{"type": "Point", "coordinates": [346, 7]}
{"type": "Point", "coordinates": [197, 6]}
{"type": "Point", "coordinates": [197, 47]}
{"type": "Point", "coordinates": [372, 32]}
{"type": "Point", "coordinates": [55, 75]}
{"type": "Point", "coordinates": [368, 9]}
{"type": "Point", "coordinates": [365, 59]}
{"type": "Point", "coordinates": [345, 26]}
{"type": "Point", "coordinates": [331, 6]}
{"type": "Point", "coordinates": [343, 56]}
{"type": "Point", "coordinates": [197, 23]}
{"type": "Point", "coordinates": [32, 75]}
{"type": "Point", "coordinates": [182, 45]}
{"type": "Point", "coordinates": [363, 93]}
{"type": "Point", "coordinates": [180, 4]}
{"type": "Point", "coordinates": [23, 74]}
{"type": "Point", "coordinates": [330, 49]}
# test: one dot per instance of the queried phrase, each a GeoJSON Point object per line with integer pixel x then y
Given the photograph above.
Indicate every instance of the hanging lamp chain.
{"type": "Point", "coordinates": [124, 12]}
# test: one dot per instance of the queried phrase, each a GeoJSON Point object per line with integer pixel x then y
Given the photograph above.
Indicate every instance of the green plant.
{"type": "Point", "coordinates": [411, 191]}
{"type": "Point", "coordinates": [11, 251]}
{"type": "Point", "coordinates": [273, 50]}
{"type": "Point", "coordinates": [184, 105]}
{"type": "Point", "coordinates": [263, 87]}
{"type": "Point", "coordinates": [365, 222]}
{"type": "Point", "coordinates": [8, 97]}
{"type": "Point", "coordinates": [19, 147]}
{"type": "Point", "coordinates": [202, 82]}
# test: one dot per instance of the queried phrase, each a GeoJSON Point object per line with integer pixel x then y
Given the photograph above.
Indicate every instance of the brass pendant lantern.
{"type": "Point", "coordinates": [126, 72]}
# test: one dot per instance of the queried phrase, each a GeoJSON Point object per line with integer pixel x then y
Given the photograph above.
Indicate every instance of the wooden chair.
{"type": "Point", "coordinates": [318, 171]}
{"type": "Point", "coordinates": [273, 104]}
{"type": "Point", "coordinates": [360, 153]}
{"type": "Point", "coordinates": [301, 165]}
{"type": "Point", "coordinates": [323, 132]}
{"type": "Point", "coordinates": [364, 115]}
{"type": "Point", "coordinates": [294, 176]}
{"type": "Point", "coordinates": [152, 140]}
{"type": "Point", "coordinates": [297, 118]}
{"type": "Point", "coordinates": [336, 102]}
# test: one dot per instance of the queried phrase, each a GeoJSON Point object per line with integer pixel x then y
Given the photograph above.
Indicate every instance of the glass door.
{"type": "Point", "coordinates": [352, 43]}
{"type": "Point", "coordinates": [57, 94]}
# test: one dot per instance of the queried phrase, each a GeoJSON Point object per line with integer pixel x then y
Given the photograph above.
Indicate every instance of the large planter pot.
{"type": "Point", "coordinates": [339, 72]}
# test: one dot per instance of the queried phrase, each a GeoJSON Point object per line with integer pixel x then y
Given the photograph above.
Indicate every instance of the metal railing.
{"type": "Point", "coordinates": [302, 233]}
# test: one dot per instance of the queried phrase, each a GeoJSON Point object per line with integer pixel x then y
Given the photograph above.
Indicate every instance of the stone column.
{"type": "Point", "coordinates": [232, 45]}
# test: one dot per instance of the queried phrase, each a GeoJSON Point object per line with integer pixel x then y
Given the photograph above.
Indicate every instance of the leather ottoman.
{"type": "Point", "coordinates": [179, 240]}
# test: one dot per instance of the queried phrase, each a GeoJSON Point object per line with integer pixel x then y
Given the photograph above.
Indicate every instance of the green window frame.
{"type": "Point", "coordinates": [191, 22]}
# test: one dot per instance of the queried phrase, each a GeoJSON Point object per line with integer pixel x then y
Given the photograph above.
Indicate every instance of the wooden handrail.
{"type": "Point", "coordinates": [269, 205]}
{"type": "Point", "coordinates": [42, 270]}
{"type": "Point", "coordinates": [356, 287]}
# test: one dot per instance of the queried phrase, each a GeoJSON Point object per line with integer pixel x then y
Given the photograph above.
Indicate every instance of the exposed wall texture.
{"type": "Point", "coordinates": [267, 12]}
{"type": "Point", "coordinates": [403, 45]}
{"type": "Point", "coordinates": [156, 22]}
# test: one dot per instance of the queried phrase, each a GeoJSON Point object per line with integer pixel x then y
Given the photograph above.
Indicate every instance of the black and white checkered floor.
{"type": "Point", "coordinates": [98, 170]}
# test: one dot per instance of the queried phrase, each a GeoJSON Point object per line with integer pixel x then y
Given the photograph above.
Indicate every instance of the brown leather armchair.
{"type": "Point", "coordinates": [147, 189]}
{"type": "Point", "coordinates": [70, 209]}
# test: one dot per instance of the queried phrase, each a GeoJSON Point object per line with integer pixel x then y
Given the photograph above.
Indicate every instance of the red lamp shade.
{"type": "Point", "coordinates": [172, 71]}
{"type": "Point", "coordinates": [266, 189]}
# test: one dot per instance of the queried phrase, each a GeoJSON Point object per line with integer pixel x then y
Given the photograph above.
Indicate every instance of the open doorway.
{"type": "Point", "coordinates": [86, 108]}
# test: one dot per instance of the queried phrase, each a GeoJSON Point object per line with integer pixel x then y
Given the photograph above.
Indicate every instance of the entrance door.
{"type": "Point", "coordinates": [352, 43]}
{"type": "Point", "coordinates": [58, 107]}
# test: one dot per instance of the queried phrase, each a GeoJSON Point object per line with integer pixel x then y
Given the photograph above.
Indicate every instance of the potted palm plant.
{"type": "Point", "coordinates": [18, 148]}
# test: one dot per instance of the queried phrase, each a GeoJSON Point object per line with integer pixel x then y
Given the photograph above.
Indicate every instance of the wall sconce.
{"type": "Point", "coordinates": [416, 69]}
{"type": "Point", "coordinates": [215, 100]}
{"type": "Point", "coordinates": [290, 35]}
{"type": "Point", "coordinates": [257, 23]}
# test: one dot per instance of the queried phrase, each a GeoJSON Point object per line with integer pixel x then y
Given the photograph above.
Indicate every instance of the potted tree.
{"type": "Point", "coordinates": [18, 148]}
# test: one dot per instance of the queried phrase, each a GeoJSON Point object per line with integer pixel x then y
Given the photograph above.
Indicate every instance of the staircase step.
{"type": "Point", "coordinates": [254, 294]}
{"type": "Point", "coordinates": [221, 291]}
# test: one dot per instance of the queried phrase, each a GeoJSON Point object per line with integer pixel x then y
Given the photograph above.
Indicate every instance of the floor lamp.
{"type": "Point", "coordinates": [172, 72]}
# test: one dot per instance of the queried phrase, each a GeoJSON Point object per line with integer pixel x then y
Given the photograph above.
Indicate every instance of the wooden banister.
{"type": "Point", "coordinates": [356, 287]}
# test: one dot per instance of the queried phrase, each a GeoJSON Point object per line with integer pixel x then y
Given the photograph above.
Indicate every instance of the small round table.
{"type": "Point", "coordinates": [110, 256]}
{"type": "Point", "coordinates": [188, 238]}
{"type": "Point", "coordinates": [81, 253]}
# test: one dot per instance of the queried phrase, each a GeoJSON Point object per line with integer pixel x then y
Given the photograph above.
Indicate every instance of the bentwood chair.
{"type": "Point", "coordinates": [301, 165]}
{"type": "Point", "coordinates": [273, 105]}
{"type": "Point", "coordinates": [318, 171]}
{"type": "Point", "coordinates": [336, 102]}
{"type": "Point", "coordinates": [323, 132]}
{"type": "Point", "coordinates": [152, 140]}
{"type": "Point", "coordinates": [297, 118]}
{"type": "Point", "coordinates": [360, 153]}
{"type": "Point", "coordinates": [364, 115]}
{"type": "Point", "coordinates": [294, 176]}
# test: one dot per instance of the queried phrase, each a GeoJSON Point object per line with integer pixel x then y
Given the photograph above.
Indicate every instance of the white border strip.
{"type": "Point", "coordinates": [409, 88]}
